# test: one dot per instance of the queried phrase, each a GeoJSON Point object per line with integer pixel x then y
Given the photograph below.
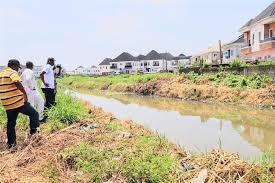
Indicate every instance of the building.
{"type": "Point", "coordinates": [123, 64]}
{"type": "Point", "coordinates": [37, 70]}
{"type": "Point", "coordinates": [210, 55]}
{"type": "Point", "coordinates": [104, 66]}
{"type": "Point", "coordinates": [259, 36]}
{"type": "Point", "coordinates": [183, 61]}
{"type": "Point", "coordinates": [232, 50]}
{"type": "Point", "coordinates": [155, 62]}
{"type": "Point", "coordinates": [82, 71]}
{"type": "Point", "coordinates": [95, 70]}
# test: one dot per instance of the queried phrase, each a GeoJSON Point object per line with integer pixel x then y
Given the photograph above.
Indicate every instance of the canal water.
{"type": "Point", "coordinates": [198, 127]}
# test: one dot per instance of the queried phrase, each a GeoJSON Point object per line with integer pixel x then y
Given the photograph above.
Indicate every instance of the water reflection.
{"type": "Point", "coordinates": [196, 126]}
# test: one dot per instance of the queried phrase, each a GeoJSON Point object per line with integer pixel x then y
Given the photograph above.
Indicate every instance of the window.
{"type": "Point", "coordinates": [156, 63]}
{"type": "Point", "coordinates": [271, 33]}
{"type": "Point", "coordinates": [253, 38]}
{"type": "Point", "coordinates": [232, 52]}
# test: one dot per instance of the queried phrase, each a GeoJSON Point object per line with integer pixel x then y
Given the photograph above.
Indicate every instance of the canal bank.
{"type": "Point", "coordinates": [231, 88]}
{"type": "Point", "coordinates": [98, 147]}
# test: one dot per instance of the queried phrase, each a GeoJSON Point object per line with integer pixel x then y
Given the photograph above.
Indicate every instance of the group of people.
{"type": "Point", "coordinates": [19, 94]}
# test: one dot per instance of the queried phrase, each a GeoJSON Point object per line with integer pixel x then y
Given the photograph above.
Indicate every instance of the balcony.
{"type": "Point", "coordinates": [246, 49]}
{"type": "Point", "coordinates": [270, 39]}
{"type": "Point", "coordinates": [267, 43]}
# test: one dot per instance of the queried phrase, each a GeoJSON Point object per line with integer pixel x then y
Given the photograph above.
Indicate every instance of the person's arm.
{"type": "Point", "coordinates": [43, 80]}
{"type": "Point", "coordinates": [21, 88]}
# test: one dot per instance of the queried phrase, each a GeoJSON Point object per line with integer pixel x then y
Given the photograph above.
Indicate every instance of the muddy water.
{"type": "Point", "coordinates": [197, 127]}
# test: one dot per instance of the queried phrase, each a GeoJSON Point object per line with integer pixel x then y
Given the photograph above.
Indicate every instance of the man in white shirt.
{"type": "Point", "coordinates": [29, 83]}
{"type": "Point", "coordinates": [48, 83]}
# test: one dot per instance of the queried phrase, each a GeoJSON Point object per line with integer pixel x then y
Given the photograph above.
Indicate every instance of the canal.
{"type": "Point", "coordinates": [198, 127]}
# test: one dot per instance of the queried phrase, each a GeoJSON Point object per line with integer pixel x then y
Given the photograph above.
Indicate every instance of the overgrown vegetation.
{"type": "Point", "coordinates": [233, 80]}
{"type": "Point", "coordinates": [126, 157]}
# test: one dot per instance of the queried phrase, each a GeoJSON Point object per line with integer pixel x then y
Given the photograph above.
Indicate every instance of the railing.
{"type": "Point", "coordinates": [267, 39]}
{"type": "Point", "coordinates": [246, 45]}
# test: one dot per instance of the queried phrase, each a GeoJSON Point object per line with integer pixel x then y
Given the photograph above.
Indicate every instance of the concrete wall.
{"type": "Point", "coordinates": [268, 70]}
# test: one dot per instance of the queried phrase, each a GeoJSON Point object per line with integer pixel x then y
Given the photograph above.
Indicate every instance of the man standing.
{"type": "Point", "coordinates": [48, 84]}
{"type": "Point", "coordinates": [14, 99]}
{"type": "Point", "coordinates": [29, 83]}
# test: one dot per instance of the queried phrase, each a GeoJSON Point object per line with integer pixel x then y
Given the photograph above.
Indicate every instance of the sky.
{"type": "Point", "coordinates": [84, 32]}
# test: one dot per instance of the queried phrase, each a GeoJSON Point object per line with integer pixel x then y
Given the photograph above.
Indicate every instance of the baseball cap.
{"type": "Point", "coordinates": [14, 62]}
{"type": "Point", "coordinates": [51, 59]}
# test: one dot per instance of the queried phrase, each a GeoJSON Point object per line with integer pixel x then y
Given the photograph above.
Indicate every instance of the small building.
{"type": "Point", "coordinates": [232, 50]}
{"type": "Point", "coordinates": [37, 70]}
{"type": "Point", "coordinates": [182, 61]}
{"type": "Point", "coordinates": [82, 70]}
{"type": "Point", "coordinates": [104, 66]}
{"type": "Point", "coordinates": [210, 55]}
{"type": "Point", "coordinates": [259, 36]}
{"type": "Point", "coordinates": [95, 70]}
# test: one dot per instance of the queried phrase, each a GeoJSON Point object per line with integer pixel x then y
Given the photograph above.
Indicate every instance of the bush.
{"type": "Point", "coordinates": [235, 63]}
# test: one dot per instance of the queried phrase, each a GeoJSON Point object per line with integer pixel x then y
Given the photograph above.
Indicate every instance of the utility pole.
{"type": "Point", "coordinates": [221, 55]}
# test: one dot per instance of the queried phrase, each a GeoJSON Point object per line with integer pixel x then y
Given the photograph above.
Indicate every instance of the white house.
{"type": "Point", "coordinates": [183, 61]}
{"type": "Point", "coordinates": [232, 50]}
{"type": "Point", "coordinates": [82, 70]}
{"type": "Point", "coordinates": [153, 62]}
{"type": "Point", "coordinates": [104, 66]}
{"type": "Point", "coordinates": [123, 64]}
{"type": "Point", "coordinates": [37, 70]}
{"type": "Point", "coordinates": [95, 70]}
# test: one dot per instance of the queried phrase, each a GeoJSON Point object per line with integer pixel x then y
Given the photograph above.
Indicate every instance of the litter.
{"type": "Point", "coordinates": [86, 127]}
{"type": "Point", "coordinates": [189, 166]}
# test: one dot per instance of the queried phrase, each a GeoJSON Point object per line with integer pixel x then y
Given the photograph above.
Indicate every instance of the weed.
{"type": "Point", "coordinates": [50, 172]}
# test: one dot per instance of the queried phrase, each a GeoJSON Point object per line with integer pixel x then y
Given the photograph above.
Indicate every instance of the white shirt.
{"type": "Point", "coordinates": [28, 79]}
{"type": "Point", "coordinates": [48, 76]}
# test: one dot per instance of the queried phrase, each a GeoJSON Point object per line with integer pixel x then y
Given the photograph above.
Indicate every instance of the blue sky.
{"type": "Point", "coordinates": [84, 32]}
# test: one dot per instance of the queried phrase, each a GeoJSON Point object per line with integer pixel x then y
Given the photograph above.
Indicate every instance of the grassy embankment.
{"type": "Point", "coordinates": [116, 151]}
{"type": "Point", "coordinates": [221, 87]}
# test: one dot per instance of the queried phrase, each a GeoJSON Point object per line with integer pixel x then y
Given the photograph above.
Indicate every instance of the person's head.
{"type": "Point", "coordinates": [51, 61]}
{"type": "Point", "coordinates": [29, 65]}
{"type": "Point", "coordinates": [14, 64]}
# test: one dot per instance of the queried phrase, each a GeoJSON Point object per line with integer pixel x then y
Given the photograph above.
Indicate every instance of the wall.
{"type": "Point", "coordinates": [268, 70]}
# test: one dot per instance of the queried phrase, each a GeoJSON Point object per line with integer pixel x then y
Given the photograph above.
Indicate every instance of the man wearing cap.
{"type": "Point", "coordinates": [14, 99]}
{"type": "Point", "coordinates": [29, 83]}
{"type": "Point", "coordinates": [48, 84]}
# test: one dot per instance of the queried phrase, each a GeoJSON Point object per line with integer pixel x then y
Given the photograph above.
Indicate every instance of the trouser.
{"type": "Point", "coordinates": [35, 99]}
{"type": "Point", "coordinates": [50, 97]}
{"type": "Point", "coordinates": [12, 115]}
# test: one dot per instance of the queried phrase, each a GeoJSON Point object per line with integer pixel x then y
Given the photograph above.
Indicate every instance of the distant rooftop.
{"type": "Point", "coordinates": [125, 57]}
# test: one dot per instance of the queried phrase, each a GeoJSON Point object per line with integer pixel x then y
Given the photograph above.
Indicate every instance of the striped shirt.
{"type": "Point", "coordinates": [11, 97]}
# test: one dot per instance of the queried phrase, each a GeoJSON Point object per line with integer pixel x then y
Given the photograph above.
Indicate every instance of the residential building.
{"type": "Point", "coordinates": [123, 64]}
{"type": "Point", "coordinates": [37, 70]}
{"type": "Point", "coordinates": [82, 71]}
{"type": "Point", "coordinates": [210, 55]}
{"type": "Point", "coordinates": [259, 36]}
{"type": "Point", "coordinates": [183, 61]}
{"type": "Point", "coordinates": [95, 70]}
{"type": "Point", "coordinates": [232, 50]}
{"type": "Point", "coordinates": [104, 66]}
